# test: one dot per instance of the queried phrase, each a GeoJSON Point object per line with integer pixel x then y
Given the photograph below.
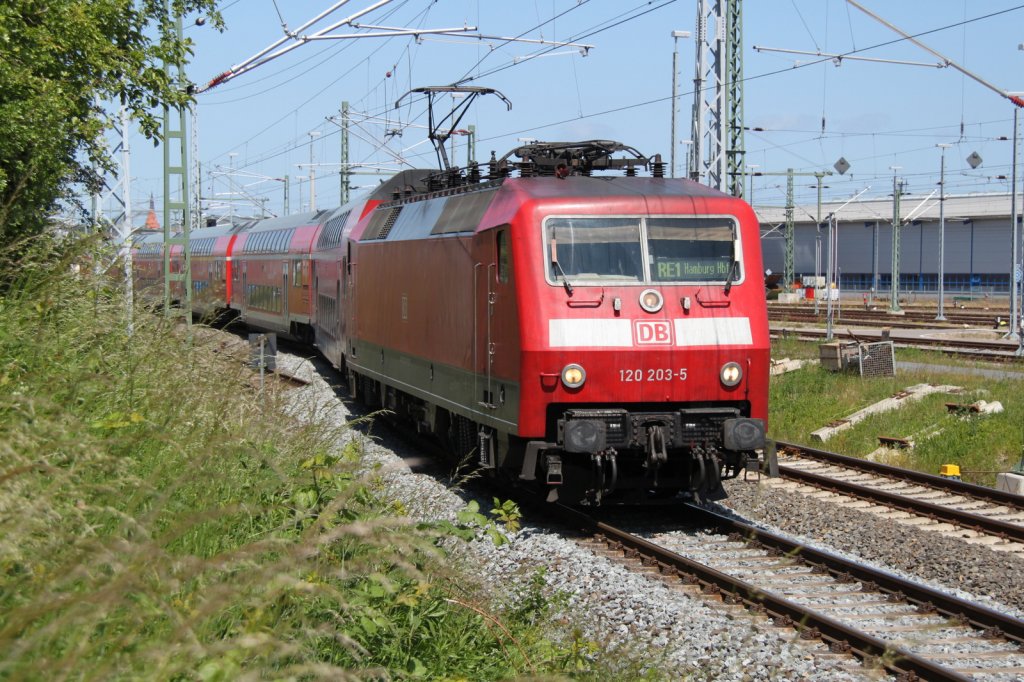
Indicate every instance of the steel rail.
{"type": "Point", "coordinates": [979, 318]}
{"type": "Point", "coordinates": [809, 622]}
{"type": "Point", "coordinates": [999, 350]}
{"type": "Point", "coordinates": [938, 512]}
{"type": "Point", "coordinates": [978, 492]}
{"type": "Point", "coordinates": [977, 615]}
{"type": "Point", "coordinates": [877, 323]}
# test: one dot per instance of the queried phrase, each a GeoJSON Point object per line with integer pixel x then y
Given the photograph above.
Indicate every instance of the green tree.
{"type": "Point", "coordinates": [61, 63]}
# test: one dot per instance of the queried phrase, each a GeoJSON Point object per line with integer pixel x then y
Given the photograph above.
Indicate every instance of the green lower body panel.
{"type": "Point", "coordinates": [493, 403]}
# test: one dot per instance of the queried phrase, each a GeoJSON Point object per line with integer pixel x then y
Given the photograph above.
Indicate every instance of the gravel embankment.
{"type": "Point", "coordinates": [639, 621]}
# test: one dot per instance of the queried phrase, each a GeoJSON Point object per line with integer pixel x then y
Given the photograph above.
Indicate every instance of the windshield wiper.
{"type": "Point", "coordinates": [733, 272]}
{"type": "Point", "coordinates": [565, 280]}
{"type": "Point", "coordinates": [554, 261]}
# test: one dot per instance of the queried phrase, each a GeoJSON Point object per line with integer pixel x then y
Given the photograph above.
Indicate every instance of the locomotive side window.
{"type": "Point", "coordinates": [690, 249]}
{"type": "Point", "coordinates": [503, 257]}
{"type": "Point", "coordinates": [594, 249]}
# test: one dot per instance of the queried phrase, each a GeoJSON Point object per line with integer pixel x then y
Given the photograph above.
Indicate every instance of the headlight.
{"type": "Point", "coordinates": [650, 300]}
{"type": "Point", "coordinates": [731, 374]}
{"type": "Point", "coordinates": [573, 376]}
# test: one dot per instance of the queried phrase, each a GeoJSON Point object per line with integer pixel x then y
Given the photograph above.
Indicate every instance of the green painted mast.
{"type": "Point", "coordinates": [897, 190]}
{"type": "Point", "coordinates": [787, 271]}
{"type": "Point", "coordinates": [176, 195]}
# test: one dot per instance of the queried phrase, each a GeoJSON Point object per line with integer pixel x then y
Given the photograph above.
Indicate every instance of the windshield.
{"type": "Point", "coordinates": [593, 248]}
{"type": "Point", "coordinates": [589, 249]}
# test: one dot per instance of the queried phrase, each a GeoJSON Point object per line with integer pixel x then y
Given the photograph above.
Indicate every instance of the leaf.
{"type": "Point", "coordinates": [416, 668]}
{"type": "Point", "coordinates": [368, 626]}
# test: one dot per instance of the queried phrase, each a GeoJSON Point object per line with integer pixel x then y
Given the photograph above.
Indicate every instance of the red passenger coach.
{"type": "Point", "coordinates": [148, 267]}
{"type": "Point", "coordinates": [269, 274]}
{"type": "Point", "coordinates": [211, 265]}
{"type": "Point", "coordinates": [603, 338]}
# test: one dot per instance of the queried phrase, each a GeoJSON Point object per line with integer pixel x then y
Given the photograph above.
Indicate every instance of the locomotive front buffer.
{"type": "Point", "coordinates": [652, 455]}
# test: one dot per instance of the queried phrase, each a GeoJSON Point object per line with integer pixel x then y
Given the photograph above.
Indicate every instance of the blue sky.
{"type": "Point", "coordinates": [876, 115]}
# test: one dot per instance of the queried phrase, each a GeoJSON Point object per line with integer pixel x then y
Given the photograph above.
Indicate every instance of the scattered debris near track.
{"type": "Point", "coordinates": [916, 392]}
{"type": "Point", "coordinates": [787, 365]}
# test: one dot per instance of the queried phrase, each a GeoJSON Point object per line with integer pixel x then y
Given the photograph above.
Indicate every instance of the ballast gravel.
{"type": "Point", "coordinates": [640, 621]}
{"type": "Point", "coordinates": [969, 571]}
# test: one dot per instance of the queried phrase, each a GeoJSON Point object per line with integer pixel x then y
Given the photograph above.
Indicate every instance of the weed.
{"type": "Point", "coordinates": [805, 400]}
{"type": "Point", "coordinates": [161, 518]}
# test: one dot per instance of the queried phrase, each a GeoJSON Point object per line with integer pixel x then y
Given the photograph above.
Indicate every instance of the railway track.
{"type": "Point", "coordinates": [850, 314]}
{"type": "Point", "coordinates": [985, 349]}
{"type": "Point", "coordinates": [975, 514]}
{"type": "Point", "coordinates": [909, 630]}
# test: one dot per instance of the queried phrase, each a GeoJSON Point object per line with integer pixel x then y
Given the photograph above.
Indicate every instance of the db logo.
{"type": "Point", "coordinates": [653, 332]}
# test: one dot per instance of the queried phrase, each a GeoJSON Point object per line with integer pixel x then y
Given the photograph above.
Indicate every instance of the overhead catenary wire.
{"type": "Point", "coordinates": [274, 50]}
{"type": "Point", "coordinates": [581, 115]}
{"type": "Point", "coordinates": [1017, 101]}
{"type": "Point", "coordinates": [298, 142]}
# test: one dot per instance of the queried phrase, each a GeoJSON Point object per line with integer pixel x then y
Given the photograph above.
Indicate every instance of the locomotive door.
{"type": "Point", "coordinates": [482, 348]}
{"type": "Point", "coordinates": [491, 286]}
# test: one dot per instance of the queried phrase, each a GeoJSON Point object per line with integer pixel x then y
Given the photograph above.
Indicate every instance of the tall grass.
{"type": "Point", "coordinates": [160, 518]}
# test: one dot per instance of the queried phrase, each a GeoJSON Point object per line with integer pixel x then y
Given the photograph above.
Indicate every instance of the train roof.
{"type": "Point", "coordinates": [288, 221]}
{"type": "Point", "coordinates": [473, 207]}
{"type": "Point", "coordinates": [604, 186]}
{"type": "Point", "coordinates": [148, 236]}
{"type": "Point", "coordinates": [214, 231]}
{"type": "Point", "coordinates": [402, 183]}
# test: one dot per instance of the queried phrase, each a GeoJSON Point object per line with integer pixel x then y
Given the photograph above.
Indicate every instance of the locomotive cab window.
{"type": "Point", "coordinates": [594, 249]}
{"type": "Point", "coordinates": [690, 249]}
{"type": "Point", "coordinates": [640, 250]}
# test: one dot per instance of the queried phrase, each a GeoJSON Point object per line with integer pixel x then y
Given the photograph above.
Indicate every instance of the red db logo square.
{"type": "Point", "coordinates": [653, 332]}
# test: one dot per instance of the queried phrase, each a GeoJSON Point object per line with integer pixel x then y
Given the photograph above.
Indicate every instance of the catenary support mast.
{"type": "Point", "coordinates": [177, 208]}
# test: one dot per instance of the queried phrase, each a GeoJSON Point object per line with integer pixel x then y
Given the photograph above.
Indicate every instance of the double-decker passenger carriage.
{"type": "Point", "coordinates": [330, 261]}
{"type": "Point", "coordinates": [605, 337]}
{"type": "Point", "coordinates": [268, 274]}
{"type": "Point", "coordinates": [148, 267]}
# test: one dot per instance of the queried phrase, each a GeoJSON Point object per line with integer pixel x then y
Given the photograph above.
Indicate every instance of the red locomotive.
{"type": "Point", "coordinates": [602, 338]}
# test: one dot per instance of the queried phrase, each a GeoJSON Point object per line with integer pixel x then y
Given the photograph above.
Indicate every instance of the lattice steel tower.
{"type": "Point", "coordinates": [717, 152]}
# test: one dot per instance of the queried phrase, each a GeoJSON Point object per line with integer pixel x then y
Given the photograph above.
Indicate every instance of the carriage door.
{"type": "Point", "coordinates": [245, 288]}
{"type": "Point", "coordinates": [347, 309]}
{"type": "Point", "coordinates": [285, 290]}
